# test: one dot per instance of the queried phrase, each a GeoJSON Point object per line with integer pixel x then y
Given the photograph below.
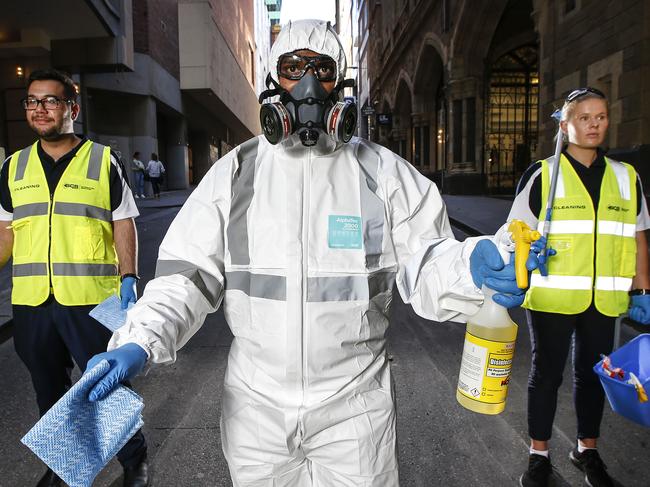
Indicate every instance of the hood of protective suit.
{"type": "Point", "coordinates": [316, 35]}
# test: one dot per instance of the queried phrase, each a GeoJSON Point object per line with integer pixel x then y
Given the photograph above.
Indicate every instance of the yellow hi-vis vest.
{"type": "Point", "coordinates": [63, 243]}
{"type": "Point", "coordinates": [576, 233]}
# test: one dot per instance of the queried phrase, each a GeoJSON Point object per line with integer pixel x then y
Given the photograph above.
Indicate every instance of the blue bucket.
{"type": "Point", "coordinates": [634, 357]}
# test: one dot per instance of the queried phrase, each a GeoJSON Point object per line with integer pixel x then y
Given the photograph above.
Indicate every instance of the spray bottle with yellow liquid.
{"type": "Point", "coordinates": [490, 339]}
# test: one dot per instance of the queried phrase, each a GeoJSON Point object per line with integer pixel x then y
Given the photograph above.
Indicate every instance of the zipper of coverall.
{"type": "Point", "coordinates": [305, 247]}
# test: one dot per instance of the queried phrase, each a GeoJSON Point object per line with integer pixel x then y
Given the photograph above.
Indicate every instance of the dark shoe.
{"type": "Point", "coordinates": [538, 473]}
{"type": "Point", "coordinates": [137, 476]}
{"type": "Point", "coordinates": [50, 479]}
{"type": "Point", "coordinates": [592, 465]}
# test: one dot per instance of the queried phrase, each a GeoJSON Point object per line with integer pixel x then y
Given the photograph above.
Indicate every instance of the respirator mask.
{"type": "Point", "coordinates": [308, 109]}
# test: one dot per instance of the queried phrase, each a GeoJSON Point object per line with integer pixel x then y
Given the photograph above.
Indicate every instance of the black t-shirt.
{"type": "Point", "coordinates": [54, 170]}
{"type": "Point", "coordinates": [591, 178]}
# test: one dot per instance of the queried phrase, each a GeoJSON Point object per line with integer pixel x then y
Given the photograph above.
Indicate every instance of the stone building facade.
{"type": "Point", "coordinates": [464, 89]}
{"type": "Point", "coordinates": [174, 77]}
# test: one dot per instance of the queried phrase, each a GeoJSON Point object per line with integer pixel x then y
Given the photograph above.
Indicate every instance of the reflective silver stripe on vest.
{"type": "Point", "coordinates": [60, 269]}
{"type": "Point", "coordinates": [242, 191]}
{"type": "Point", "coordinates": [612, 283]}
{"type": "Point", "coordinates": [23, 157]}
{"type": "Point", "coordinates": [559, 188]}
{"type": "Point", "coordinates": [80, 209]}
{"type": "Point", "coordinates": [95, 161]}
{"type": "Point", "coordinates": [26, 270]}
{"type": "Point", "coordinates": [257, 285]}
{"type": "Point", "coordinates": [576, 283]}
{"type": "Point", "coordinates": [607, 227]}
{"type": "Point", "coordinates": [209, 285]}
{"type": "Point", "coordinates": [349, 288]}
{"type": "Point", "coordinates": [569, 226]}
{"type": "Point", "coordinates": [372, 208]}
{"type": "Point", "coordinates": [30, 209]}
{"type": "Point", "coordinates": [622, 178]}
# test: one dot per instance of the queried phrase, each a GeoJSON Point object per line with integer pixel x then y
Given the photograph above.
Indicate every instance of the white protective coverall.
{"type": "Point", "coordinates": [303, 246]}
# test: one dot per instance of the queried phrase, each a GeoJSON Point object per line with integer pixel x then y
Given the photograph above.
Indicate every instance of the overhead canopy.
{"type": "Point", "coordinates": [26, 30]}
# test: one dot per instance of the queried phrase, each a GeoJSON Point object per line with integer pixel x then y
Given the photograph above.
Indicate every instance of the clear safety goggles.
{"type": "Point", "coordinates": [580, 92]}
{"type": "Point", "coordinates": [293, 66]}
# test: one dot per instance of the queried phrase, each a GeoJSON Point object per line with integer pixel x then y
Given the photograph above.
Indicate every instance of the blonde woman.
{"type": "Point", "coordinates": [598, 230]}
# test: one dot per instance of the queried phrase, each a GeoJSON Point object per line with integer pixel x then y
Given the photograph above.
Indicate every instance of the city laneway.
{"type": "Point", "coordinates": [440, 443]}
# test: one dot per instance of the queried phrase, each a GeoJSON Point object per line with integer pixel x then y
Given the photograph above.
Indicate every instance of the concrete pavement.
{"type": "Point", "coordinates": [481, 214]}
{"type": "Point", "coordinates": [440, 443]}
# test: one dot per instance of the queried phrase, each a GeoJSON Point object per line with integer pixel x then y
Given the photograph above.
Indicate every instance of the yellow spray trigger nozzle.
{"type": "Point", "coordinates": [522, 236]}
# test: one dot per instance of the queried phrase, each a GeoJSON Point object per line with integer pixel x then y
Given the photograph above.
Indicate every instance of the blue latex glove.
{"type": "Point", "coordinates": [536, 261]}
{"type": "Point", "coordinates": [126, 362]}
{"type": "Point", "coordinates": [640, 309]}
{"type": "Point", "coordinates": [487, 267]}
{"type": "Point", "coordinates": [127, 291]}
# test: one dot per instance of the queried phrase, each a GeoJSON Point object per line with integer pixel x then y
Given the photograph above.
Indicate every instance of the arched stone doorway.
{"type": "Point", "coordinates": [511, 92]}
{"type": "Point", "coordinates": [428, 119]}
{"type": "Point", "coordinates": [511, 118]}
{"type": "Point", "coordinates": [383, 124]}
{"type": "Point", "coordinates": [401, 134]}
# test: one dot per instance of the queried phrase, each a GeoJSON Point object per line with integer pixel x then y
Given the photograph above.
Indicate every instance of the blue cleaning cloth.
{"type": "Point", "coordinates": [76, 438]}
{"type": "Point", "coordinates": [110, 313]}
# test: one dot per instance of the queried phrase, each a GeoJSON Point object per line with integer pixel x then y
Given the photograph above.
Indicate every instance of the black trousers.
{"type": "Point", "coordinates": [551, 336]}
{"type": "Point", "coordinates": [155, 184]}
{"type": "Point", "coordinates": [47, 338]}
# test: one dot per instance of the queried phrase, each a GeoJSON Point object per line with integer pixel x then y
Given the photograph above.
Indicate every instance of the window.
{"type": "Point", "coordinates": [511, 118]}
{"type": "Point", "coordinates": [457, 116]}
{"type": "Point", "coordinates": [421, 145]}
{"type": "Point", "coordinates": [252, 61]}
{"type": "Point", "coordinates": [417, 141]}
{"type": "Point", "coordinates": [470, 129]}
{"type": "Point", "coordinates": [446, 15]}
{"type": "Point", "coordinates": [569, 6]}
{"type": "Point", "coordinates": [568, 9]}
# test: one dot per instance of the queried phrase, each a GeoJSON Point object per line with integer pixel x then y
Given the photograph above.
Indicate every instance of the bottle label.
{"type": "Point", "coordinates": [485, 369]}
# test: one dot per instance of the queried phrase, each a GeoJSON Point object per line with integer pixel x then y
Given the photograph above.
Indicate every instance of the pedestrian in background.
{"type": "Point", "coordinates": [597, 228]}
{"type": "Point", "coordinates": [138, 175]}
{"type": "Point", "coordinates": [66, 216]}
{"type": "Point", "coordinates": [155, 169]}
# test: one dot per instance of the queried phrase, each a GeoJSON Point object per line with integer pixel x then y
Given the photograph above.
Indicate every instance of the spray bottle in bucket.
{"type": "Point", "coordinates": [490, 338]}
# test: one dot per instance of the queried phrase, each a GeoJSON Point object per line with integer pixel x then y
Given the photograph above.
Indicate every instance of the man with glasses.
{"type": "Point", "coordinates": [66, 218]}
{"type": "Point", "coordinates": [302, 233]}
{"type": "Point", "coordinates": [598, 225]}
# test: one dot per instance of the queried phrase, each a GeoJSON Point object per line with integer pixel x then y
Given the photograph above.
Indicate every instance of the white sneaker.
{"type": "Point", "coordinates": [142, 196]}
{"type": "Point", "coordinates": [136, 196]}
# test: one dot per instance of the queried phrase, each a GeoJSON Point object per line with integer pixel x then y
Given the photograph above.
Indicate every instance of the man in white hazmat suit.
{"type": "Point", "coordinates": [303, 241]}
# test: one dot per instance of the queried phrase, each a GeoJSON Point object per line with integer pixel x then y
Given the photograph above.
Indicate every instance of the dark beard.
{"type": "Point", "coordinates": [51, 134]}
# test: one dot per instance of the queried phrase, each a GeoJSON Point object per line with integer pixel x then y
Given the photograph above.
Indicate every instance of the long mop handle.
{"type": "Point", "coordinates": [551, 194]}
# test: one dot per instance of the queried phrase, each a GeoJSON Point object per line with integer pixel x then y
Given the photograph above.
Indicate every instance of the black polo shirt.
{"type": "Point", "coordinates": [54, 170]}
{"type": "Point", "coordinates": [591, 177]}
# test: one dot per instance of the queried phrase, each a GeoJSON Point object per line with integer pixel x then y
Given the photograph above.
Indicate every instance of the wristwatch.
{"type": "Point", "coordinates": [638, 292]}
{"type": "Point", "coordinates": [137, 278]}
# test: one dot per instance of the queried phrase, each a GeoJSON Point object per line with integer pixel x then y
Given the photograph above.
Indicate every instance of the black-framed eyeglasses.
{"type": "Point", "coordinates": [48, 102]}
{"type": "Point", "coordinates": [580, 92]}
{"type": "Point", "coordinates": [292, 66]}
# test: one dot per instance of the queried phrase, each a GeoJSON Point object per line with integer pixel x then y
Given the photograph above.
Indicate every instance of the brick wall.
{"type": "Point", "coordinates": [601, 44]}
{"type": "Point", "coordinates": [155, 32]}
{"type": "Point", "coordinates": [236, 21]}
